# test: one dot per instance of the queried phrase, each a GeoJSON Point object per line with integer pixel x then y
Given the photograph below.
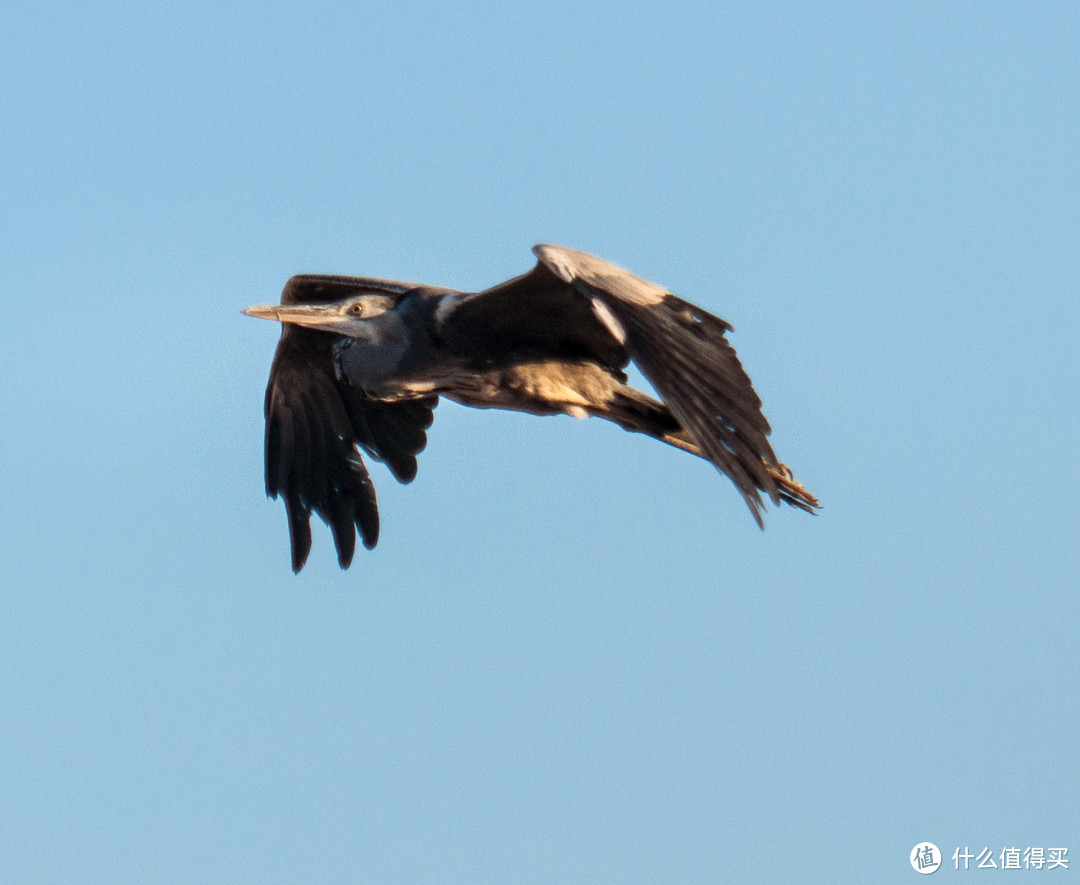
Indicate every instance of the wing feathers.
{"type": "Point", "coordinates": [393, 432]}
{"type": "Point", "coordinates": [314, 424]}
{"type": "Point", "coordinates": [735, 448]}
{"type": "Point", "coordinates": [685, 354]}
{"type": "Point", "coordinates": [299, 518]}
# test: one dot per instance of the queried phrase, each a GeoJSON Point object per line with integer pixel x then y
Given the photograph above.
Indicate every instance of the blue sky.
{"type": "Point", "coordinates": [572, 657]}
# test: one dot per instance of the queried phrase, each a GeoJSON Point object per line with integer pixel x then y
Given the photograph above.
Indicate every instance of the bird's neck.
{"type": "Point", "coordinates": [370, 362]}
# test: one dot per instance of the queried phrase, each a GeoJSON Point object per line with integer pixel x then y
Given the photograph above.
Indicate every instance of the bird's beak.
{"type": "Point", "coordinates": [262, 311]}
{"type": "Point", "coordinates": [319, 316]}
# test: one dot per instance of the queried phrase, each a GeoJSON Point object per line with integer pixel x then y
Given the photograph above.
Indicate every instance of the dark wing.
{"type": "Point", "coordinates": [533, 315]}
{"type": "Point", "coordinates": [314, 423]}
{"type": "Point", "coordinates": [609, 314]}
{"type": "Point", "coordinates": [685, 354]}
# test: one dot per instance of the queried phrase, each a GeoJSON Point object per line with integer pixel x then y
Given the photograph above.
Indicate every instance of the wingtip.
{"type": "Point", "coordinates": [299, 519]}
{"type": "Point", "coordinates": [756, 508]}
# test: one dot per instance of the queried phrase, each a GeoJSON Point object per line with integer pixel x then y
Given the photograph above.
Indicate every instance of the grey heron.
{"type": "Point", "coordinates": [362, 362]}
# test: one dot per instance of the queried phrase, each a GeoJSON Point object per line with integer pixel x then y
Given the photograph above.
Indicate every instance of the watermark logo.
{"type": "Point", "coordinates": [925, 858]}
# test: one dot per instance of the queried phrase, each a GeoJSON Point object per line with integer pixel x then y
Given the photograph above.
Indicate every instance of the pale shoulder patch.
{"type": "Point", "coordinates": [572, 266]}
{"type": "Point", "coordinates": [556, 259]}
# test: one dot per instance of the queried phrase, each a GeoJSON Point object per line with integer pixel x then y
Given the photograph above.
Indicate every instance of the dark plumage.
{"type": "Point", "coordinates": [362, 362]}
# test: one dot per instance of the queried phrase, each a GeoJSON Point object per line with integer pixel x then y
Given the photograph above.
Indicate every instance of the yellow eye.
{"type": "Point", "coordinates": [356, 309]}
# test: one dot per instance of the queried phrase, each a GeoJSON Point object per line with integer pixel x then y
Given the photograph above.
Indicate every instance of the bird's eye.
{"type": "Point", "coordinates": [356, 309]}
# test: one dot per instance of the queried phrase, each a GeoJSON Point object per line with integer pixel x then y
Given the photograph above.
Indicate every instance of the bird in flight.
{"type": "Point", "coordinates": [362, 362]}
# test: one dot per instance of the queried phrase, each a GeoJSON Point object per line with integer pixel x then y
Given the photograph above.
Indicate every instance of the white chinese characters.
{"type": "Point", "coordinates": [1012, 858]}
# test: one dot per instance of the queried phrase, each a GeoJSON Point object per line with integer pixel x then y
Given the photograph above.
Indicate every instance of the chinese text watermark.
{"type": "Point", "coordinates": [1013, 858]}
{"type": "Point", "coordinates": [926, 858]}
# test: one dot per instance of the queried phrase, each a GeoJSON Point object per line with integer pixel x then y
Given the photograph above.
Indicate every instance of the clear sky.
{"type": "Point", "coordinates": [572, 657]}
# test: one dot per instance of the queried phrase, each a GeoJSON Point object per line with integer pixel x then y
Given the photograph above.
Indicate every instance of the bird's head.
{"type": "Point", "coordinates": [357, 316]}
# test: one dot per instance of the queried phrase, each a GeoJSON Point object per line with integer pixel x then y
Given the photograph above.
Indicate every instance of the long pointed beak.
{"type": "Point", "coordinates": [317, 315]}
{"type": "Point", "coordinates": [262, 311]}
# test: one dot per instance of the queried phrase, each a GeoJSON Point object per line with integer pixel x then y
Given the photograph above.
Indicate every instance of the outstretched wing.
{"type": "Point", "coordinates": [314, 424]}
{"type": "Point", "coordinates": [684, 352]}
{"type": "Point", "coordinates": [574, 304]}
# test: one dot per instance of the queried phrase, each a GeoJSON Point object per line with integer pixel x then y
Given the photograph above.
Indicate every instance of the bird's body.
{"type": "Point", "coordinates": [361, 364]}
